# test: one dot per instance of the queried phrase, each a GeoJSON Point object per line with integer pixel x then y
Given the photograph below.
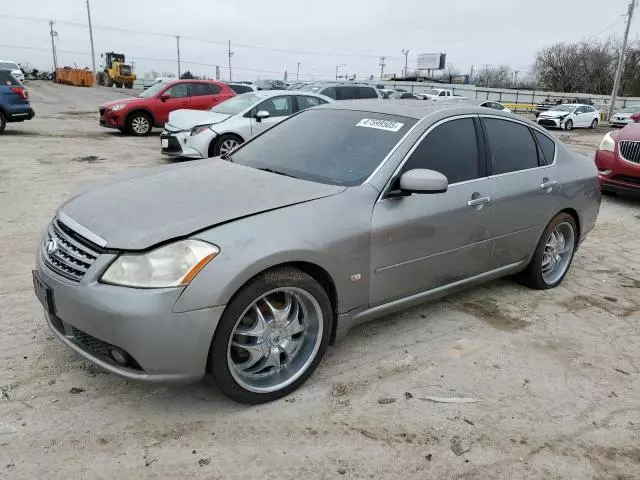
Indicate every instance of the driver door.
{"type": "Point", "coordinates": [279, 108]}
{"type": "Point", "coordinates": [424, 241]}
{"type": "Point", "coordinates": [581, 117]}
{"type": "Point", "coordinates": [179, 97]}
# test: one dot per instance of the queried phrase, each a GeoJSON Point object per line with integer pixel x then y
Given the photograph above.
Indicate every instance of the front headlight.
{"type": "Point", "coordinates": [199, 129]}
{"type": "Point", "coordinates": [608, 144]}
{"type": "Point", "coordinates": [117, 107]}
{"type": "Point", "coordinates": [173, 265]}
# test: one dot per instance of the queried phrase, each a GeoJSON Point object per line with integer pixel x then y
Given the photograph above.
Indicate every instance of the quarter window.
{"type": "Point", "coordinates": [511, 146]}
{"type": "Point", "coordinates": [450, 149]}
{"type": "Point", "coordinates": [547, 145]}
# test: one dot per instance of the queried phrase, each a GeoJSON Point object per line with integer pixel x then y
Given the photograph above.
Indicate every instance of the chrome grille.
{"type": "Point", "coordinates": [630, 151]}
{"type": "Point", "coordinates": [65, 252]}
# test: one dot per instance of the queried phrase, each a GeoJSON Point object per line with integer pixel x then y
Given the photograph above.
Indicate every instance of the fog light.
{"type": "Point", "coordinates": [605, 173]}
{"type": "Point", "coordinates": [120, 357]}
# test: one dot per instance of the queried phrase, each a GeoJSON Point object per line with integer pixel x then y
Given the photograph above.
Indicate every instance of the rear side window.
{"type": "Point", "coordinates": [215, 89]}
{"type": "Point", "coordinates": [451, 149]}
{"type": "Point", "coordinates": [511, 146]}
{"type": "Point", "coordinates": [200, 89]}
{"type": "Point", "coordinates": [7, 79]}
{"type": "Point", "coordinates": [346, 93]}
{"type": "Point", "coordinates": [367, 92]}
{"type": "Point", "coordinates": [307, 102]}
{"type": "Point", "coordinates": [547, 145]}
{"type": "Point", "coordinates": [240, 88]}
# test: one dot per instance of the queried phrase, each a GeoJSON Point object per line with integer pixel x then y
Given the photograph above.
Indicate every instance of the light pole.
{"type": "Point", "coordinates": [406, 62]}
{"type": "Point", "coordinates": [53, 45]}
{"type": "Point", "coordinates": [623, 51]}
{"type": "Point", "coordinates": [93, 55]}
{"type": "Point", "coordinates": [382, 65]}
{"type": "Point", "coordinates": [298, 72]}
{"type": "Point", "coordinates": [230, 54]}
{"type": "Point", "coordinates": [337, 67]}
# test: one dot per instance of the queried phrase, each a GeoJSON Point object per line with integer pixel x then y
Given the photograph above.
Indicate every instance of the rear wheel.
{"type": "Point", "coordinates": [139, 124]}
{"type": "Point", "coordinates": [553, 255]}
{"type": "Point", "coordinates": [271, 336]}
{"type": "Point", "coordinates": [128, 85]}
{"type": "Point", "coordinates": [568, 125]}
{"type": "Point", "coordinates": [224, 145]}
{"type": "Point", "coordinates": [3, 122]}
{"type": "Point", "coordinates": [594, 124]}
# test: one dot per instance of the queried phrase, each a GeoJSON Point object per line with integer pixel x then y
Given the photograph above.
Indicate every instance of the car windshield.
{"type": "Point", "coordinates": [433, 92]}
{"type": "Point", "coordinates": [9, 65]}
{"type": "Point", "coordinates": [630, 109]}
{"type": "Point", "coordinates": [564, 108]}
{"type": "Point", "coordinates": [339, 147]}
{"type": "Point", "coordinates": [237, 104]}
{"type": "Point", "coordinates": [153, 90]}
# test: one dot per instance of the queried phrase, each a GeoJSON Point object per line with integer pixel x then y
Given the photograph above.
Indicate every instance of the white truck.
{"type": "Point", "coordinates": [441, 94]}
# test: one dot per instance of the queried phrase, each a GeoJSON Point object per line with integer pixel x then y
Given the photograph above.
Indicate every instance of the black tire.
{"type": "Point", "coordinates": [109, 81]}
{"type": "Point", "coordinates": [128, 85]}
{"type": "Point", "coordinates": [532, 275]}
{"type": "Point", "coordinates": [215, 146]}
{"type": "Point", "coordinates": [122, 130]}
{"type": "Point", "coordinates": [3, 122]}
{"type": "Point", "coordinates": [594, 124]}
{"type": "Point", "coordinates": [254, 289]}
{"type": "Point", "coordinates": [137, 118]}
{"type": "Point", "coordinates": [568, 125]}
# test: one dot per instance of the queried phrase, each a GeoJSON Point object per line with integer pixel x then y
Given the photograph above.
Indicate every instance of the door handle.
{"type": "Point", "coordinates": [547, 184]}
{"type": "Point", "coordinates": [478, 202]}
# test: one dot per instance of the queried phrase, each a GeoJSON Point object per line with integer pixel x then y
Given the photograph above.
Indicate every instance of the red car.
{"type": "Point", "coordinates": [138, 115]}
{"type": "Point", "coordinates": [618, 161]}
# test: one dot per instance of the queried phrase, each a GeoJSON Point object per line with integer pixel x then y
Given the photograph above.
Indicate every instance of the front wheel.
{"type": "Point", "coordinates": [3, 122]}
{"type": "Point", "coordinates": [271, 336]}
{"type": "Point", "coordinates": [553, 255]}
{"type": "Point", "coordinates": [224, 145]}
{"type": "Point", "coordinates": [139, 124]}
{"type": "Point", "coordinates": [568, 125]}
{"type": "Point", "coordinates": [594, 124]}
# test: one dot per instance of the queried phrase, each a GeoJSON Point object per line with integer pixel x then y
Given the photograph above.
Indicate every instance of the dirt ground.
{"type": "Point", "coordinates": [556, 373]}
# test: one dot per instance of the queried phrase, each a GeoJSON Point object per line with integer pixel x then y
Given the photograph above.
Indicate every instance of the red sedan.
{"type": "Point", "coordinates": [138, 115]}
{"type": "Point", "coordinates": [618, 160]}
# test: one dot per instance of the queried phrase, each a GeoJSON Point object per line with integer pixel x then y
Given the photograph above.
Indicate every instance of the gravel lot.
{"type": "Point", "coordinates": [557, 373]}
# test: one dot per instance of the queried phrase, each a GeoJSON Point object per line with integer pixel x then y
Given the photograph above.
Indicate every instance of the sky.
{"type": "Point", "coordinates": [271, 37]}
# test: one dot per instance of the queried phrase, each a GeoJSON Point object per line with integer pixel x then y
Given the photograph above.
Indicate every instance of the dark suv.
{"type": "Point", "coordinates": [343, 91]}
{"type": "Point", "coordinates": [14, 100]}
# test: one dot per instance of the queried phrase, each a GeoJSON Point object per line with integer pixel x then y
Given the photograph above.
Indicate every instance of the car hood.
{"type": "Point", "coordinates": [631, 133]}
{"type": "Point", "coordinates": [187, 119]}
{"type": "Point", "coordinates": [554, 114]}
{"type": "Point", "coordinates": [144, 208]}
{"type": "Point", "coordinates": [622, 115]}
{"type": "Point", "coordinates": [129, 100]}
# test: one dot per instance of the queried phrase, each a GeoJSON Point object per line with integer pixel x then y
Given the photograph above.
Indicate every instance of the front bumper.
{"type": "Point", "coordinates": [623, 177]}
{"type": "Point", "coordinates": [614, 122]}
{"type": "Point", "coordinates": [160, 345]}
{"type": "Point", "coordinates": [182, 144]}
{"type": "Point", "coordinates": [550, 122]}
{"type": "Point", "coordinates": [110, 119]}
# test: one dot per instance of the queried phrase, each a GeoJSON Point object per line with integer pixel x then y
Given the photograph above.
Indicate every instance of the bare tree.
{"type": "Point", "coordinates": [494, 76]}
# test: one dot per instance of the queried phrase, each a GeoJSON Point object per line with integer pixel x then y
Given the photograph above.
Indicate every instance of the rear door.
{"type": "Point", "coordinates": [178, 98]}
{"type": "Point", "coordinates": [524, 184]}
{"type": "Point", "coordinates": [279, 108]}
{"type": "Point", "coordinates": [421, 242]}
{"type": "Point", "coordinates": [202, 96]}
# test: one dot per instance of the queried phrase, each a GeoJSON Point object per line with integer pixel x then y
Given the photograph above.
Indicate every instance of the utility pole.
{"type": "Point", "coordinates": [382, 65]}
{"type": "Point", "coordinates": [298, 72]}
{"type": "Point", "coordinates": [515, 81]}
{"type": "Point", "coordinates": [623, 51]}
{"type": "Point", "coordinates": [406, 62]}
{"type": "Point", "coordinates": [337, 67]}
{"type": "Point", "coordinates": [93, 54]}
{"type": "Point", "coordinates": [53, 46]}
{"type": "Point", "coordinates": [178, 45]}
{"type": "Point", "coordinates": [230, 54]}
{"type": "Point", "coordinates": [471, 76]}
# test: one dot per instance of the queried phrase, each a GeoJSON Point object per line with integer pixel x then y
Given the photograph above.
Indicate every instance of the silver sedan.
{"type": "Point", "coordinates": [245, 268]}
{"type": "Point", "coordinates": [210, 133]}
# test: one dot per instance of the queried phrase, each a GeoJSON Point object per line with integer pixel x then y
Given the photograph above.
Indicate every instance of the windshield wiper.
{"type": "Point", "coordinates": [270, 170]}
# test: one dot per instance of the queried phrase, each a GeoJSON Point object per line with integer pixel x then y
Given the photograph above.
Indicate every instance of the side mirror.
{"type": "Point", "coordinates": [636, 117]}
{"type": "Point", "coordinates": [164, 97]}
{"type": "Point", "coordinates": [261, 114]}
{"type": "Point", "coordinates": [421, 180]}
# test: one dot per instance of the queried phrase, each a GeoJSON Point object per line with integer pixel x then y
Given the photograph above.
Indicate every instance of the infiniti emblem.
{"type": "Point", "coordinates": [52, 246]}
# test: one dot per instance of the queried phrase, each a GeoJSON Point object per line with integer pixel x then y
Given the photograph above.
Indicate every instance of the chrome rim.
{"type": "Point", "coordinates": [140, 125]}
{"type": "Point", "coordinates": [275, 340]}
{"type": "Point", "coordinates": [558, 252]}
{"type": "Point", "coordinates": [227, 146]}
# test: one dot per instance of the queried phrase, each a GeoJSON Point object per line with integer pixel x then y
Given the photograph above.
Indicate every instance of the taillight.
{"type": "Point", "coordinates": [20, 91]}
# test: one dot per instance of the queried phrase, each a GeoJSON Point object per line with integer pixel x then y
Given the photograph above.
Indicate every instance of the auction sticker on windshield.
{"type": "Point", "coordinates": [387, 125]}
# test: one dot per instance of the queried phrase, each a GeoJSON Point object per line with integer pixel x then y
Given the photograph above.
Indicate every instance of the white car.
{"type": "Point", "coordinates": [210, 133]}
{"type": "Point", "coordinates": [15, 69]}
{"type": "Point", "coordinates": [495, 106]}
{"type": "Point", "coordinates": [623, 116]}
{"type": "Point", "coordinates": [569, 116]}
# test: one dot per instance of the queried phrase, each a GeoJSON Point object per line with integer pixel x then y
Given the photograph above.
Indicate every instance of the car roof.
{"type": "Point", "coordinates": [415, 110]}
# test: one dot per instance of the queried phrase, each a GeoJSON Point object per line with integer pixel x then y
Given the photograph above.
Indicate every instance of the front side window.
{"type": "Point", "coordinates": [180, 90]}
{"type": "Point", "coordinates": [451, 149]}
{"type": "Point", "coordinates": [339, 147]}
{"type": "Point", "coordinates": [443, 94]}
{"type": "Point", "coordinates": [276, 106]}
{"type": "Point", "coordinates": [511, 146]}
{"type": "Point", "coordinates": [367, 92]}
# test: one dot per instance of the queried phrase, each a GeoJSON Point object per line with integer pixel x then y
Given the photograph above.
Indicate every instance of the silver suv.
{"type": "Point", "coordinates": [343, 91]}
